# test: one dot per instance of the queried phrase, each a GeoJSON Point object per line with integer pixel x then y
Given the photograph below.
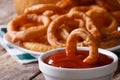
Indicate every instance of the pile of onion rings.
{"type": "Point", "coordinates": [73, 21]}
{"type": "Point", "coordinates": [50, 25]}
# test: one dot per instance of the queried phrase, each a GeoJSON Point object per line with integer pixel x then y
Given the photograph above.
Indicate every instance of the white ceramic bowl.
{"type": "Point", "coordinates": [98, 73]}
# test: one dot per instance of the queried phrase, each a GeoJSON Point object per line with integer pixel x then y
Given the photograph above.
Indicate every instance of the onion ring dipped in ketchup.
{"type": "Point", "coordinates": [87, 39]}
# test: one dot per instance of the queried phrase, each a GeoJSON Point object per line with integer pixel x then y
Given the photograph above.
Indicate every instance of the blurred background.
{"type": "Point", "coordinates": [7, 11]}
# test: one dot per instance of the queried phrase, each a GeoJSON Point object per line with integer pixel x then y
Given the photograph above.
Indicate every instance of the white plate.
{"type": "Point", "coordinates": [34, 53]}
{"type": "Point", "coordinates": [116, 47]}
{"type": "Point", "coordinates": [38, 53]}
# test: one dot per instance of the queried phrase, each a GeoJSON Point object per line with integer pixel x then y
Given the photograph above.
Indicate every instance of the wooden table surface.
{"type": "Point", "coordinates": [9, 68]}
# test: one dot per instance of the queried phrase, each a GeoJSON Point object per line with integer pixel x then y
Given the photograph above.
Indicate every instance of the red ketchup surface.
{"type": "Point", "coordinates": [60, 59]}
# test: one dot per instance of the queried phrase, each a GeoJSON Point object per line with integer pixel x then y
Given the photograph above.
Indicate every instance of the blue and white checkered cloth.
{"type": "Point", "coordinates": [18, 55]}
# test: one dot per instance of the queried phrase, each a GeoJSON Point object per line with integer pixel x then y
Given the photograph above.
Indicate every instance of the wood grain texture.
{"type": "Point", "coordinates": [39, 77]}
{"type": "Point", "coordinates": [11, 70]}
{"type": "Point", "coordinates": [117, 73]}
{"type": "Point", "coordinates": [2, 50]}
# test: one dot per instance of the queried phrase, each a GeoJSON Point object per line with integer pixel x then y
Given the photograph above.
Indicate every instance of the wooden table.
{"type": "Point", "coordinates": [9, 68]}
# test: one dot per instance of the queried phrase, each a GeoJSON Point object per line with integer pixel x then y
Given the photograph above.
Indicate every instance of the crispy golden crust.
{"type": "Point", "coordinates": [57, 21]}
{"type": "Point", "coordinates": [30, 32]}
{"type": "Point", "coordinates": [21, 5]}
{"type": "Point", "coordinates": [111, 5]}
{"type": "Point", "coordinates": [43, 7]}
{"type": "Point", "coordinates": [116, 14]}
{"type": "Point", "coordinates": [35, 46]}
{"type": "Point", "coordinates": [70, 19]}
{"type": "Point", "coordinates": [109, 44]}
{"type": "Point", "coordinates": [104, 21]}
{"type": "Point", "coordinates": [88, 39]}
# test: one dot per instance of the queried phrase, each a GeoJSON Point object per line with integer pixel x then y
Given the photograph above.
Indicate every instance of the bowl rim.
{"type": "Point", "coordinates": [111, 54]}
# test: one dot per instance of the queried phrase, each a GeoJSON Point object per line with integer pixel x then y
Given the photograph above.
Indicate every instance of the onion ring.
{"type": "Point", "coordinates": [49, 10]}
{"type": "Point", "coordinates": [31, 32]}
{"type": "Point", "coordinates": [88, 23]}
{"type": "Point", "coordinates": [37, 9]}
{"type": "Point", "coordinates": [113, 35]}
{"type": "Point", "coordinates": [88, 39]}
{"type": "Point", "coordinates": [110, 40]}
{"type": "Point", "coordinates": [109, 43]}
{"type": "Point", "coordinates": [63, 3]}
{"type": "Point", "coordinates": [84, 8]}
{"type": "Point", "coordinates": [86, 2]}
{"type": "Point", "coordinates": [35, 46]}
{"type": "Point", "coordinates": [116, 14]}
{"type": "Point", "coordinates": [64, 32]}
{"type": "Point", "coordinates": [104, 21]}
{"type": "Point", "coordinates": [54, 25]}
{"type": "Point", "coordinates": [111, 5]}
{"type": "Point", "coordinates": [67, 4]}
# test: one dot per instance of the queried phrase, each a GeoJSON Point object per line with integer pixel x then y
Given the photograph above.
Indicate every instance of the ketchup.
{"type": "Point", "coordinates": [60, 59]}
